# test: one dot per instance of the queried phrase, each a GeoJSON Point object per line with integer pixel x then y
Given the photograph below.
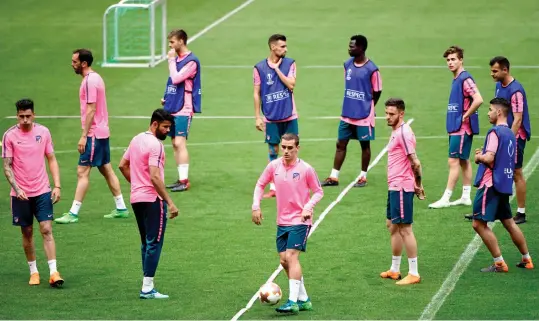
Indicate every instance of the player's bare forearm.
{"type": "Point", "coordinates": [517, 122]}
{"type": "Point", "coordinates": [289, 82]}
{"type": "Point", "coordinates": [477, 101]}
{"type": "Point", "coordinates": [416, 168]}
{"type": "Point", "coordinates": [8, 172]}
{"type": "Point", "coordinates": [376, 96]}
{"type": "Point", "coordinates": [125, 169]}
{"type": "Point", "coordinates": [160, 189]}
{"type": "Point", "coordinates": [55, 169]}
{"type": "Point", "coordinates": [487, 158]}
{"type": "Point", "coordinates": [256, 97]}
{"type": "Point", "coordinates": [90, 113]}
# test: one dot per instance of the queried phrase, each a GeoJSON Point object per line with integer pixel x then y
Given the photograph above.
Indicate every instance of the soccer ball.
{"type": "Point", "coordinates": [270, 293]}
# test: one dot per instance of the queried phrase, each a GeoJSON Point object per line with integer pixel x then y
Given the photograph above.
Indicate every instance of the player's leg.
{"type": "Point", "coordinates": [83, 181]}
{"type": "Point", "coordinates": [456, 143]}
{"type": "Point", "coordinates": [485, 208]}
{"type": "Point", "coordinates": [397, 243]}
{"type": "Point", "coordinates": [22, 216]}
{"type": "Point", "coordinates": [140, 209]}
{"type": "Point", "coordinates": [505, 216]}
{"type": "Point", "coordinates": [345, 133]}
{"type": "Point", "coordinates": [182, 124]}
{"type": "Point", "coordinates": [155, 225]}
{"type": "Point", "coordinates": [466, 167]}
{"type": "Point", "coordinates": [42, 207]}
{"type": "Point", "coordinates": [404, 222]}
{"type": "Point", "coordinates": [364, 134]}
{"type": "Point", "coordinates": [520, 183]}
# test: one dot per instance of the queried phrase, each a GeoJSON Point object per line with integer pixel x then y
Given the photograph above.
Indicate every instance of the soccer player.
{"type": "Point", "coordinates": [182, 99]}
{"type": "Point", "coordinates": [24, 148]}
{"type": "Point", "coordinates": [275, 97]}
{"type": "Point", "coordinates": [143, 166]}
{"type": "Point", "coordinates": [494, 180]}
{"type": "Point", "coordinates": [462, 122]}
{"type": "Point", "coordinates": [404, 181]}
{"type": "Point", "coordinates": [294, 180]}
{"type": "Point", "coordinates": [362, 89]}
{"type": "Point", "coordinates": [93, 144]}
{"type": "Point", "coordinates": [518, 120]}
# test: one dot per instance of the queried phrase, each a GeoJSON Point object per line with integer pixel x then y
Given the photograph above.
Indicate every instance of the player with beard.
{"type": "Point", "coordinates": [93, 144]}
{"type": "Point", "coordinates": [362, 89]}
{"type": "Point", "coordinates": [275, 97]}
{"type": "Point", "coordinates": [143, 166]}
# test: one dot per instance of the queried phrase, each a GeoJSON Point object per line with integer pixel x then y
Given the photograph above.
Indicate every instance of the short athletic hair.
{"type": "Point", "coordinates": [276, 37]}
{"type": "Point", "coordinates": [85, 55]}
{"type": "Point", "coordinates": [503, 103]}
{"type": "Point", "coordinates": [25, 104]}
{"type": "Point", "coordinates": [160, 115]}
{"type": "Point", "coordinates": [361, 41]}
{"type": "Point", "coordinates": [180, 34]}
{"type": "Point", "coordinates": [454, 50]}
{"type": "Point", "coordinates": [501, 61]}
{"type": "Point", "coordinates": [396, 102]}
{"type": "Point", "coordinates": [290, 136]}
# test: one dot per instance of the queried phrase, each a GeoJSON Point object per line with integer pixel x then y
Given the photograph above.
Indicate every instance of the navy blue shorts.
{"type": "Point", "coordinates": [275, 130]}
{"type": "Point", "coordinates": [400, 207]}
{"type": "Point", "coordinates": [97, 152]}
{"type": "Point", "coordinates": [361, 133]}
{"type": "Point", "coordinates": [181, 126]}
{"type": "Point", "coordinates": [292, 237]}
{"type": "Point", "coordinates": [490, 205]}
{"type": "Point", "coordinates": [23, 212]}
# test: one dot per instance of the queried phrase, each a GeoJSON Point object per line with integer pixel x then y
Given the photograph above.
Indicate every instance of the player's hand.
{"type": "Point", "coordinates": [420, 192]}
{"type": "Point", "coordinates": [257, 217]}
{"type": "Point", "coordinates": [259, 123]}
{"type": "Point", "coordinates": [276, 65]}
{"type": "Point", "coordinates": [171, 54]}
{"type": "Point", "coordinates": [21, 195]}
{"type": "Point", "coordinates": [55, 195]}
{"type": "Point", "coordinates": [305, 215]}
{"type": "Point", "coordinates": [162, 102]}
{"type": "Point", "coordinates": [478, 152]}
{"type": "Point", "coordinates": [82, 144]}
{"type": "Point", "coordinates": [173, 210]}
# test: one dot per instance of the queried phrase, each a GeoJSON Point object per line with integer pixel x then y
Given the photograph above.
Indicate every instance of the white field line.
{"type": "Point", "coordinates": [381, 67]}
{"type": "Point", "coordinates": [147, 117]}
{"type": "Point", "coordinates": [315, 225]}
{"type": "Point", "coordinates": [467, 256]}
{"type": "Point", "coordinates": [219, 21]}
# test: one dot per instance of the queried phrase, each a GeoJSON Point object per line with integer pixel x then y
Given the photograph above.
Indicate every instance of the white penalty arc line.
{"type": "Point", "coordinates": [467, 256]}
{"type": "Point", "coordinates": [315, 225]}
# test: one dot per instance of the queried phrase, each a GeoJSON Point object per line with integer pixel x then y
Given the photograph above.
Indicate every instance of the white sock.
{"type": "Point", "coordinates": [52, 266]}
{"type": "Point", "coordinates": [396, 263]}
{"type": "Point", "coordinates": [466, 190]}
{"type": "Point", "coordinates": [363, 174]}
{"type": "Point", "coordinates": [33, 267]}
{"type": "Point", "coordinates": [120, 204]}
{"type": "Point", "coordinates": [524, 256]}
{"type": "Point", "coordinates": [272, 187]}
{"type": "Point", "coordinates": [183, 171]}
{"type": "Point", "coordinates": [498, 259]}
{"type": "Point", "coordinates": [447, 195]}
{"type": "Point", "coordinates": [412, 266]}
{"type": "Point", "coordinates": [302, 296]}
{"type": "Point", "coordinates": [75, 208]}
{"type": "Point", "coordinates": [147, 284]}
{"type": "Point", "coordinates": [294, 289]}
{"type": "Point", "coordinates": [521, 210]}
{"type": "Point", "coordinates": [334, 173]}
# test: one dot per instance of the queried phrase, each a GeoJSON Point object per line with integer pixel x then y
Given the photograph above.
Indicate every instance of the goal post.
{"type": "Point", "coordinates": [134, 33]}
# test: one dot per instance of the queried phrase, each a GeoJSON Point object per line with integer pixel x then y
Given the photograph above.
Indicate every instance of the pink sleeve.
{"type": "Point", "coordinates": [314, 185]}
{"type": "Point", "coordinates": [156, 152]}
{"type": "Point", "coordinates": [188, 71]}
{"type": "Point", "coordinates": [492, 143]}
{"type": "Point", "coordinates": [292, 71]}
{"type": "Point", "coordinates": [469, 87]}
{"type": "Point", "coordinates": [256, 77]}
{"type": "Point", "coordinates": [517, 102]}
{"type": "Point", "coordinates": [376, 81]}
{"type": "Point", "coordinates": [91, 89]}
{"type": "Point", "coordinates": [7, 147]}
{"type": "Point", "coordinates": [409, 142]}
{"type": "Point", "coordinates": [49, 149]}
{"type": "Point", "coordinates": [263, 180]}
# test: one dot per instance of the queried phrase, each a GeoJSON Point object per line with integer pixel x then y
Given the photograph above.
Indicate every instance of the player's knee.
{"type": "Point", "coordinates": [453, 162]}
{"type": "Point", "coordinates": [477, 225]}
{"type": "Point", "coordinates": [178, 143]}
{"type": "Point", "coordinates": [27, 232]}
{"type": "Point", "coordinates": [46, 231]}
{"type": "Point", "coordinates": [273, 152]}
{"type": "Point", "coordinates": [284, 262]}
{"type": "Point", "coordinates": [291, 256]}
{"type": "Point", "coordinates": [365, 146]}
{"type": "Point", "coordinates": [83, 172]}
{"type": "Point", "coordinates": [341, 145]}
{"type": "Point", "coordinates": [517, 175]}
